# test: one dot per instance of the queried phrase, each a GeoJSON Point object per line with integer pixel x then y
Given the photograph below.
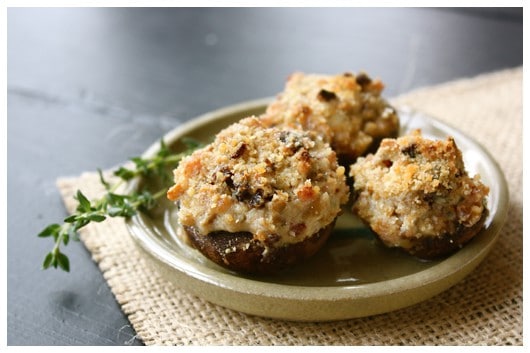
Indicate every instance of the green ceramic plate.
{"type": "Point", "coordinates": [352, 276]}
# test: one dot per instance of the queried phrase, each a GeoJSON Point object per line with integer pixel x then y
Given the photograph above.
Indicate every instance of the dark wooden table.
{"type": "Point", "coordinates": [89, 88]}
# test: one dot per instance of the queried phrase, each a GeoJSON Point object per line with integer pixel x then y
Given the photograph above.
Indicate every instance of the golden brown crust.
{"type": "Point", "coordinates": [415, 194]}
{"type": "Point", "coordinates": [346, 110]}
{"type": "Point", "coordinates": [259, 199]}
{"type": "Point", "coordinates": [242, 253]}
{"type": "Point", "coordinates": [266, 181]}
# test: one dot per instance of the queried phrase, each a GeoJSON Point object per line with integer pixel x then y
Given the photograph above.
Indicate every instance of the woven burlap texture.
{"type": "Point", "coordinates": [483, 309]}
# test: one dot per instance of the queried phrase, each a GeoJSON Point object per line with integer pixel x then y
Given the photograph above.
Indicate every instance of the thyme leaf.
{"type": "Point", "coordinates": [113, 204]}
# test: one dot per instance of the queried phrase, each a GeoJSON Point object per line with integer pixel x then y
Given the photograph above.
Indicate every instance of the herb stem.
{"type": "Point", "coordinates": [113, 204]}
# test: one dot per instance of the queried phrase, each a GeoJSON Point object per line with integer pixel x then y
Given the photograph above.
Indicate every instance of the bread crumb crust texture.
{"type": "Point", "coordinates": [280, 179]}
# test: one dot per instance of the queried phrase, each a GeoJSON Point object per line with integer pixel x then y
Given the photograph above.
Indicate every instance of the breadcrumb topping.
{"type": "Point", "coordinates": [347, 110]}
{"type": "Point", "coordinates": [281, 185]}
{"type": "Point", "coordinates": [414, 187]}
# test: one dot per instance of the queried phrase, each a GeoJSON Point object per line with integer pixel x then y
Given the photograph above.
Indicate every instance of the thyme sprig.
{"type": "Point", "coordinates": [112, 203]}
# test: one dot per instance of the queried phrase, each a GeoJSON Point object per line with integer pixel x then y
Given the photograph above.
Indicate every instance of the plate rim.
{"type": "Point", "coordinates": [230, 285]}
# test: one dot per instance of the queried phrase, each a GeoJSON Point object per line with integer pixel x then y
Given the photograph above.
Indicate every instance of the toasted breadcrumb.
{"type": "Point", "coordinates": [281, 185]}
{"type": "Point", "coordinates": [346, 110]}
{"type": "Point", "coordinates": [415, 188]}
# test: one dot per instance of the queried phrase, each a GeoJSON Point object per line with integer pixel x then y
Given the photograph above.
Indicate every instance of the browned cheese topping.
{"type": "Point", "coordinates": [414, 187]}
{"type": "Point", "coordinates": [281, 185]}
{"type": "Point", "coordinates": [347, 110]}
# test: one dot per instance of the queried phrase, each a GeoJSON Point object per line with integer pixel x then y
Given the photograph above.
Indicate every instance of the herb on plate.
{"type": "Point", "coordinates": [113, 204]}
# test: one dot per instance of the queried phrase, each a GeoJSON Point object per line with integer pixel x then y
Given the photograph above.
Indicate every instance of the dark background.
{"type": "Point", "coordinates": [90, 87]}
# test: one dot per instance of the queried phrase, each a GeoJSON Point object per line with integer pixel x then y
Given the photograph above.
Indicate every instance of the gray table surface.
{"type": "Point", "coordinates": [90, 87]}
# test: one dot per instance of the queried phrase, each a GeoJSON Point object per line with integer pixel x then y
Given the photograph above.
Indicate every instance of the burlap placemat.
{"type": "Point", "coordinates": [484, 308]}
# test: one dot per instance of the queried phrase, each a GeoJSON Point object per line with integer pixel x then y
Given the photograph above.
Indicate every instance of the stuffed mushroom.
{"type": "Point", "coordinates": [259, 199]}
